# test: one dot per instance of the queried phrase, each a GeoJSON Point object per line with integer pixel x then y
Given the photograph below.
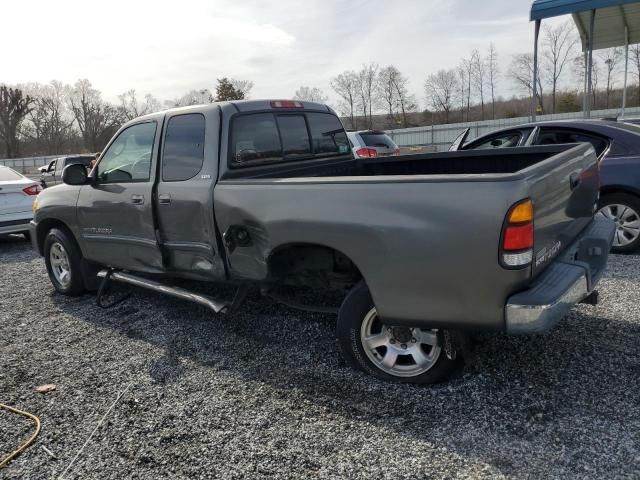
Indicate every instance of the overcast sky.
{"type": "Point", "coordinates": [167, 48]}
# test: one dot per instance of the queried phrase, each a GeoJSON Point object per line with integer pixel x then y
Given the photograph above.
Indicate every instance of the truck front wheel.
{"type": "Point", "coordinates": [63, 260]}
{"type": "Point", "coordinates": [394, 353]}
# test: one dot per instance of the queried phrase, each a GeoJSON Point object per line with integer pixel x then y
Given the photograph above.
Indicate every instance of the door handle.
{"type": "Point", "coordinates": [575, 179]}
{"type": "Point", "coordinates": [137, 199]}
{"type": "Point", "coordinates": [164, 199]}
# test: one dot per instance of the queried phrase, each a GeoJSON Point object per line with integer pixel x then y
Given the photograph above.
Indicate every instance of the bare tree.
{"type": "Point", "coordinates": [387, 90]}
{"type": "Point", "coordinates": [407, 101]}
{"type": "Point", "coordinates": [393, 88]}
{"type": "Point", "coordinates": [96, 119]}
{"type": "Point", "coordinates": [493, 71]}
{"type": "Point", "coordinates": [366, 89]}
{"type": "Point", "coordinates": [580, 72]}
{"type": "Point", "coordinates": [440, 88]}
{"type": "Point", "coordinates": [50, 122]}
{"type": "Point", "coordinates": [635, 58]}
{"type": "Point", "coordinates": [346, 86]}
{"type": "Point", "coordinates": [521, 72]}
{"type": "Point", "coordinates": [558, 47]}
{"type": "Point", "coordinates": [479, 73]}
{"type": "Point", "coordinates": [610, 58]}
{"type": "Point", "coordinates": [14, 107]}
{"type": "Point", "coordinates": [466, 65]}
{"type": "Point", "coordinates": [131, 108]}
{"type": "Point", "coordinates": [462, 79]}
{"type": "Point", "coordinates": [242, 86]}
{"type": "Point", "coordinates": [310, 94]}
{"type": "Point", "coordinates": [193, 97]}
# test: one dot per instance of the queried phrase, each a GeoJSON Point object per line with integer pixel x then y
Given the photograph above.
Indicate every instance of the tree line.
{"type": "Point", "coordinates": [58, 118]}
{"type": "Point", "coordinates": [55, 118]}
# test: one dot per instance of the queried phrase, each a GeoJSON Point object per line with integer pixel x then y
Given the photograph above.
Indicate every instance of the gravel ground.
{"type": "Point", "coordinates": [263, 393]}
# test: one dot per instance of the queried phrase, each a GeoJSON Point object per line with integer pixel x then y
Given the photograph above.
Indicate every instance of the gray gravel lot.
{"type": "Point", "coordinates": [263, 393]}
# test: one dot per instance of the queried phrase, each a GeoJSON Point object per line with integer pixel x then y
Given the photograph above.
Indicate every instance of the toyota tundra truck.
{"type": "Point", "coordinates": [267, 196]}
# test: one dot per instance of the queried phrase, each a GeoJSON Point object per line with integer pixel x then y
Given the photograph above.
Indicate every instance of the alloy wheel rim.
{"type": "Point", "coordinates": [627, 223]}
{"type": "Point", "coordinates": [399, 351]}
{"type": "Point", "coordinates": [60, 264]}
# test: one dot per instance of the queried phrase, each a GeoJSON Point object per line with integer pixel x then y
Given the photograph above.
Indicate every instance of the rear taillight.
{"type": "Point", "coordinates": [367, 152]}
{"type": "Point", "coordinates": [396, 151]}
{"type": "Point", "coordinates": [32, 189]}
{"type": "Point", "coordinates": [517, 235]}
{"type": "Point", "coordinates": [286, 104]}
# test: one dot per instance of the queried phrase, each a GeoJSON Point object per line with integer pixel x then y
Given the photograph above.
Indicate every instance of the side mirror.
{"type": "Point", "coordinates": [75, 174]}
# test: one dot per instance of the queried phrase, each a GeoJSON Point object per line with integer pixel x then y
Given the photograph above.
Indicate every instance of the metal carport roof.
{"type": "Point", "coordinates": [601, 24]}
{"type": "Point", "coordinates": [611, 19]}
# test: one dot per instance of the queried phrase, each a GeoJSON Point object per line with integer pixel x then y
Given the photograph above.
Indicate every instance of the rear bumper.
{"type": "Point", "coordinates": [15, 226]}
{"type": "Point", "coordinates": [570, 279]}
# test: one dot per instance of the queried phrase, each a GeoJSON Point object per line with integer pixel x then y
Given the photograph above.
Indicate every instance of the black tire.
{"type": "Point", "coordinates": [75, 285]}
{"type": "Point", "coordinates": [355, 308]}
{"type": "Point", "coordinates": [630, 201]}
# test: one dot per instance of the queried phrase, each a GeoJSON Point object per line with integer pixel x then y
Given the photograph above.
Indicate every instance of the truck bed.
{"type": "Point", "coordinates": [472, 162]}
{"type": "Point", "coordinates": [433, 220]}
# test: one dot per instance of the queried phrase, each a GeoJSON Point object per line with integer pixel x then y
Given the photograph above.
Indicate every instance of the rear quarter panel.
{"type": "Point", "coordinates": [426, 246]}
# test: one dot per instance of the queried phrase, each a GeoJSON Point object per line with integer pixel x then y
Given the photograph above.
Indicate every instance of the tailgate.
{"type": "Point", "coordinates": [564, 192]}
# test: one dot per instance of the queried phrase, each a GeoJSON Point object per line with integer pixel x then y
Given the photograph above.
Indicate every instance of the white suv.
{"type": "Point", "coordinates": [372, 143]}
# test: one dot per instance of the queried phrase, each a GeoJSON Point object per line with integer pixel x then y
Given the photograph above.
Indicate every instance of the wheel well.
{"type": "Point", "coordinates": [312, 265]}
{"type": "Point", "coordinates": [47, 224]}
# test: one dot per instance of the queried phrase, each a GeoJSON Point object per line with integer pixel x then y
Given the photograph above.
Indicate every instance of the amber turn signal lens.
{"type": "Point", "coordinates": [522, 212]}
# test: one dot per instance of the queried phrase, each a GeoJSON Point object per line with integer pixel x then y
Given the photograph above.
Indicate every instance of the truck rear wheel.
{"type": "Point", "coordinates": [63, 260]}
{"type": "Point", "coordinates": [394, 353]}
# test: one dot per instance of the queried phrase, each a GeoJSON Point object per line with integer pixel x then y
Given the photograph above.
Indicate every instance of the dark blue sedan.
{"type": "Point", "coordinates": [618, 147]}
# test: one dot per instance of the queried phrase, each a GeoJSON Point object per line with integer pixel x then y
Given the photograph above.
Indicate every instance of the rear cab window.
{"type": "Point", "coordinates": [273, 137]}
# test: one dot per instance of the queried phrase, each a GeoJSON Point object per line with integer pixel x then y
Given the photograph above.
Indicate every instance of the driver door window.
{"type": "Point", "coordinates": [128, 158]}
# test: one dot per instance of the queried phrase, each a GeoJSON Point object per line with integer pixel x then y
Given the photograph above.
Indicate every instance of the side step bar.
{"type": "Point", "coordinates": [215, 305]}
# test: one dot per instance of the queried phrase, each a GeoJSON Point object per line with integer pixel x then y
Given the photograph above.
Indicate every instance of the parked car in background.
{"type": "Point", "coordinates": [617, 145]}
{"type": "Point", "coordinates": [51, 174]}
{"type": "Point", "coordinates": [17, 194]}
{"type": "Point", "coordinates": [372, 143]}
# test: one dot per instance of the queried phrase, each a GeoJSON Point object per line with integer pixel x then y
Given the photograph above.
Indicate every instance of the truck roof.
{"type": "Point", "coordinates": [240, 106]}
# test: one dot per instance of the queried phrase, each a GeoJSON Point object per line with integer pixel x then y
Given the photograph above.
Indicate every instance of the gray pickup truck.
{"type": "Point", "coordinates": [419, 249]}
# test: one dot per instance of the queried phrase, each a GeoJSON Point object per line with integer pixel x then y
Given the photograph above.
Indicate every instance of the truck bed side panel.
{"type": "Point", "coordinates": [427, 250]}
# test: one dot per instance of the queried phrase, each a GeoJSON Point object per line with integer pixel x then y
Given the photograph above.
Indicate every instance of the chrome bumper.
{"type": "Point", "coordinates": [570, 279]}
{"type": "Point", "coordinates": [522, 319]}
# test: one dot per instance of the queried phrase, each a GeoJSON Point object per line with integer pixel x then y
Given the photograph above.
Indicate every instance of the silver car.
{"type": "Point", "coordinates": [372, 143]}
{"type": "Point", "coordinates": [17, 194]}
